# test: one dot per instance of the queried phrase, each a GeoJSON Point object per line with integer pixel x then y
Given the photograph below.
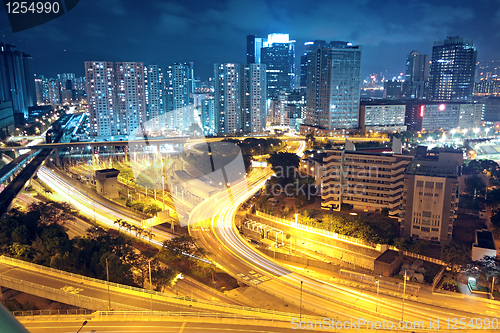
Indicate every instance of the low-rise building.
{"type": "Point", "coordinates": [367, 181]}
{"type": "Point", "coordinates": [484, 245]}
{"type": "Point", "coordinates": [430, 198]}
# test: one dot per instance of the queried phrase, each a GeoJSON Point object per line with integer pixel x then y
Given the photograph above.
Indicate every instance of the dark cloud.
{"type": "Point", "coordinates": [206, 32]}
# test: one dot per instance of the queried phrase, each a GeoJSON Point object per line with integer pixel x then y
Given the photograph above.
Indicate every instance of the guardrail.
{"type": "Point", "coordinates": [13, 282]}
{"type": "Point", "coordinates": [106, 315]}
{"type": "Point", "coordinates": [225, 306]}
{"type": "Point", "coordinates": [52, 312]}
{"type": "Point", "coordinates": [323, 232]}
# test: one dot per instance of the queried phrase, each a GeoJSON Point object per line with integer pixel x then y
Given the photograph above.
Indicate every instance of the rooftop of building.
{"type": "Point", "coordinates": [437, 162]}
{"type": "Point", "coordinates": [389, 256]}
{"type": "Point", "coordinates": [484, 239]}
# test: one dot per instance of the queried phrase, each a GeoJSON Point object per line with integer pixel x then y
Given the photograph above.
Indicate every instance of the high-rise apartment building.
{"type": "Point", "coordinates": [368, 181]}
{"type": "Point", "coordinates": [131, 101]}
{"type": "Point", "coordinates": [228, 98]}
{"type": "Point", "coordinates": [292, 108]}
{"type": "Point", "coordinates": [333, 86]}
{"type": "Point", "coordinates": [452, 70]}
{"type": "Point", "coordinates": [254, 98]}
{"type": "Point", "coordinates": [101, 96]}
{"type": "Point", "coordinates": [430, 197]}
{"type": "Point", "coordinates": [278, 54]}
{"type": "Point", "coordinates": [17, 80]}
{"type": "Point", "coordinates": [155, 96]}
{"type": "Point", "coordinates": [179, 80]}
{"type": "Point", "coordinates": [240, 98]}
{"type": "Point", "coordinates": [416, 76]}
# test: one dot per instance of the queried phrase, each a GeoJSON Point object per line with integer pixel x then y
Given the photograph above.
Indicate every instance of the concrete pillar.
{"type": "Point", "coordinates": [56, 152]}
{"type": "Point", "coordinates": [2, 291]}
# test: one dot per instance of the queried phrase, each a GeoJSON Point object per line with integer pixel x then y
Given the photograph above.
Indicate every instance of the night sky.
{"type": "Point", "coordinates": [206, 32]}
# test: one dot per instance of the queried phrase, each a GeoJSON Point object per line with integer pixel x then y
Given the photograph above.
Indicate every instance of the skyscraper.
{"type": "Point", "coordinates": [129, 79]}
{"type": "Point", "coordinates": [254, 45]}
{"type": "Point", "coordinates": [227, 95]}
{"type": "Point", "coordinates": [179, 82]}
{"type": "Point", "coordinates": [101, 95]}
{"type": "Point", "coordinates": [17, 80]}
{"type": "Point", "coordinates": [452, 70]}
{"type": "Point", "coordinates": [240, 98]}
{"type": "Point", "coordinates": [155, 96]}
{"type": "Point", "coordinates": [333, 86]}
{"type": "Point", "coordinates": [278, 54]}
{"type": "Point", "coordinates": [308, 46]}
{"type": "Point", "coordinates": [417, 75]}
{"type": "Point", "coordinates": [254, 98]}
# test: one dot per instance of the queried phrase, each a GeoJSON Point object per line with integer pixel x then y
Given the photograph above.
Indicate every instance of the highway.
{"type": "Point", "coordinates": [235, 256]}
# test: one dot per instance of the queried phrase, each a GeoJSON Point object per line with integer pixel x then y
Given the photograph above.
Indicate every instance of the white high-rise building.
{"type": "Point", "coordinates": [180, 87]}
{"type": "Point", "coordinates": [227, 96]}
{"type": "Point", "coordinates": [255, 95]}
{"type": "Point", "coordinates": [131, 96]}
{"type": "Point", "coordinates": [101, 95]}
{"type": "Point", "coordinates": [155, 97]}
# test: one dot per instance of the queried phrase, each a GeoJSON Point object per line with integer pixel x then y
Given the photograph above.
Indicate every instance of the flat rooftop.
{"type": "Point", "coordinates": [485, 239]}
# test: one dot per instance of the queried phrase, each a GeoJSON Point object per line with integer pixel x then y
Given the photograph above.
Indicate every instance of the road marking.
{"type": "Point", "coordinates": [182, 327]}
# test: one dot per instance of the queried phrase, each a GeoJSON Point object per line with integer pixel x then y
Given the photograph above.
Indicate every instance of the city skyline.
{"type": "Point", "coordinates": [209, 33]}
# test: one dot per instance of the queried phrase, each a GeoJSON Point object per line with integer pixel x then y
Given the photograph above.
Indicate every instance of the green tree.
{"type": "Point", "coordinates": [420, 247]}
{"type": "Point", "coordinates": [284, 164]}
{"type": "Point", "coordinates": [475, 185]}
{"type": "Point", "coordinates": [402, 244]}
{"type": "Point", "coordinates": [385, 211]}
{"type": "Point", "coordinates": [152, 209]}
{"type": "Point", "coordinates": [455, 254]}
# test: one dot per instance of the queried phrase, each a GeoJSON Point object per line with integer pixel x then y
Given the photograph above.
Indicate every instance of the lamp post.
{"type": "Point", "coordinates": [83, 324]}
{"type": "Point", "coordinates": [404, 292]}
{"type": "Point", "coordinates": [107, 276]}
{"type": "Point", "coordinates": [150, 285]}
{"type": "Point", "coordinates": [376, 306]}
{"type": "Point", "coordinates": [301, 282]}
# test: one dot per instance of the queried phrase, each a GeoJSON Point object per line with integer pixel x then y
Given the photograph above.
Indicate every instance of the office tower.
{"type": "Point", "coordinates": [368, 181]}
{"type": "Point", "coordinates": [131, 102]}
{"type": "Point", "coordinates": [254, 98]}
{"type": "Point", "coordinates": [278, 54]}
{"type": "Point", "coordinates": [101, 96]}
{"type": "Point", "coordinates": [254, 45]}
{"type": "Point", "coordinates": [393, 89]}
{"type": "Point", "coordinates": [179, 80]}
{"type": "Point", "coordinates": [308, 46]}
{"type": "Point", "coordinates": [227, 97]}
{"type": "Point", "coordinates": [333, 86]}
{"type": "Point", "coordinates": [452, 70]}
{"type": "Point", "coordinates": [17, 81]}
{"type": "Point", "coordinates": [416, 76]}
{"type": "Point", "coordinates": [487, 87]}
{"type": "Point", "coordinates": [430, 196]}
{"type": "Point", "coordinates": [155, 99]}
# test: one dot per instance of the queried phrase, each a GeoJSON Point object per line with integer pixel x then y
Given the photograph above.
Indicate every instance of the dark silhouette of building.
{"type": "Point", "coordinates": [417, 75]}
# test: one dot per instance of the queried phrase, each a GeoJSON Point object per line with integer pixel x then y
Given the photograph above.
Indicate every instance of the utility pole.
{"type": "Point", "coordinates": [376, 306]}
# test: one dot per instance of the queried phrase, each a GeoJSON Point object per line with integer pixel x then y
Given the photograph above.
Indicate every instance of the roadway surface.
{"type": "Point", "coordinates": [220, 237]}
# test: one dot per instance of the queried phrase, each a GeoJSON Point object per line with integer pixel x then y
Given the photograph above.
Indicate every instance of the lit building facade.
{"type": "Point", "coordinates": [155, 96]}
{"type": "Point", "coordinates": [333, 86]}
{"type": "Point", "coordinates": [452, 70]}
{"type": "Point", "coordinates": [131, 99]}
{"type": "Point", "coordinates": [430, 197]}
{"type": "Point", "coordinates": [101, 95]}
{"type": "Point", "coordinates": [180, 87]}
{"type": "Point", "coordinates": [278, 54]}
{"type": "Point", "coordinates": [368, 181]}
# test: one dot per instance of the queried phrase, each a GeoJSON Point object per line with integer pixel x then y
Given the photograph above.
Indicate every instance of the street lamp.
{"type": "Point", "coordinates": [107, 276]}
{"type": "Point", "coordinates": [83, 324]}
{"type": "Point", "coordinates": [404, 292]}
{"type": "Point", "coordinates": [376, 306]}
{"type": "Point", "coordinates": [301, 282]}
